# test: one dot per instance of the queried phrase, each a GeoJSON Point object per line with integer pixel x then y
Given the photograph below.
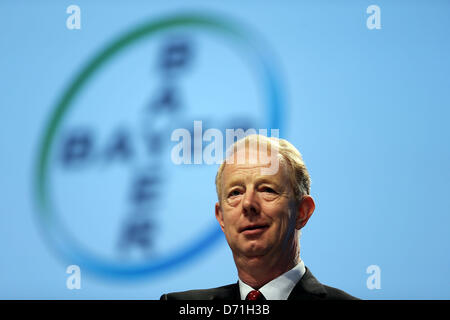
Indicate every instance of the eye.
{"type": "Point", "coordinates": [268, 189]}
{"type": "Point", "coordinates": [234, 193]}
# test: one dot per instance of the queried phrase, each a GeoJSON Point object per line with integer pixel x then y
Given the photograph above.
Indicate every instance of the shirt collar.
{"type": "Point", "coordinates": [279, 288]}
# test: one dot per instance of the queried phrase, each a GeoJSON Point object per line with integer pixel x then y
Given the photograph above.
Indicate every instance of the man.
{"type": "Point", "coordinates": [263, 191]}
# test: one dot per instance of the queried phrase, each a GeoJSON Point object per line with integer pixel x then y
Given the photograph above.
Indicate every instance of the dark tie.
{"type": "Point", "coordinates": [255, 295]}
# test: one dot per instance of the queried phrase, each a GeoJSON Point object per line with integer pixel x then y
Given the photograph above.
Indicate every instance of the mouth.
{"type": "Point", "coordinates": [254, 229]}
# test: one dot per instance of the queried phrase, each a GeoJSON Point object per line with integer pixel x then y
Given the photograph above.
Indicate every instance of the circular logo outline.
{"type": "Point", "coordinates": [62, 241]}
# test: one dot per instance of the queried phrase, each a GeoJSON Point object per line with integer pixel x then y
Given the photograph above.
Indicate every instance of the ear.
{"type": "Point", "coordinates": [305, 211]}
{"type": "Point", "coordinates": [219, 216]}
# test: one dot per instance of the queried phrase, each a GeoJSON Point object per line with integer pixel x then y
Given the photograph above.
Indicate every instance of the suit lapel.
{"type": "Point", "coordinates": [230, 292]}
{"type": "Point", "coordinates": [308, 288]}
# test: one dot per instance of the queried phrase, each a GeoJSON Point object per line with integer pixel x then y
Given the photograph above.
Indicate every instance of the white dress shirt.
{"type": "Point", "coordinates": [279, 288]}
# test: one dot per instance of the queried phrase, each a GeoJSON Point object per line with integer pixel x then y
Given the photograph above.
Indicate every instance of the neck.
{"type": "Point", "coordinates": [256, 271]}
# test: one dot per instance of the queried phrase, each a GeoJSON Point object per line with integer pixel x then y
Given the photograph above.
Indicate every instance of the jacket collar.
{"type": "Point", "coordinates": [229, 292]}
{"type": "Point", "coordinates": [308, 288]}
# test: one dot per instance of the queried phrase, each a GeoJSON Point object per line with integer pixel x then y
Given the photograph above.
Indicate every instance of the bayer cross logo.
{"type": "Point", "coordinates": [110, 199]}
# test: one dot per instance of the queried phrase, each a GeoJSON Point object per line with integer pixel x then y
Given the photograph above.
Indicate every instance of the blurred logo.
{"type": "Point", "coordinates": [110, 199]}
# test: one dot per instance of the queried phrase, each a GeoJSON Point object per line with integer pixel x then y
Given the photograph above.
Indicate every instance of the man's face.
{"type": "Point", "coordinates": [257, 213]}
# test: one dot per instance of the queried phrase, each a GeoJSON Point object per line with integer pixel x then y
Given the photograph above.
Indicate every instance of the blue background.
{"type": "Point", "coordinates": [368, 109]}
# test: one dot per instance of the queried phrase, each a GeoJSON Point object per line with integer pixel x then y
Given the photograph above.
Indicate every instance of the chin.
{"type": "Point", "coordinates": [255, 251]}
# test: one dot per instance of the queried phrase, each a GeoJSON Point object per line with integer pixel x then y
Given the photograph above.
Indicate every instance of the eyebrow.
{"type": "Point", "coordinates": [263, 180]}
{"type": "Point", "coordinates": [234, 182]}
{"type": "Point", "coordinates": [258, 181]}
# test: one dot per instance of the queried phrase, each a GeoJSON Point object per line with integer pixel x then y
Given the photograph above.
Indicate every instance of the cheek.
{"type": "Point", "coordinates": [275, 210]}
{"type": "Point", "coordinates": [282, 218]}
{"type": "Point", "coordinates": [229, 220]}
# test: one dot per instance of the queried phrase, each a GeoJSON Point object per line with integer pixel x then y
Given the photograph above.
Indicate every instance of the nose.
{"type": "Point", "coordinates": [250, 204]}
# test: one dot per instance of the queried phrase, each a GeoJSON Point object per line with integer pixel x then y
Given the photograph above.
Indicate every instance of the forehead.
{"type": "Point", "coordinates": [233, 172]}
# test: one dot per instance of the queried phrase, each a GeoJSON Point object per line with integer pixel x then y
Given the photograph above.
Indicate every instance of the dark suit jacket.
{"type": "Point", "coordinates": [308, 288]}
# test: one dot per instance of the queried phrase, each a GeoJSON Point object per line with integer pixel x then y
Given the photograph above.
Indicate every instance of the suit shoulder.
{"type": "Point", "coordinates": [337, 294]}
{"type": "Point", "coordinates": [310, 288]}
{"type": "Point", "coordinates": [223, 292]}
